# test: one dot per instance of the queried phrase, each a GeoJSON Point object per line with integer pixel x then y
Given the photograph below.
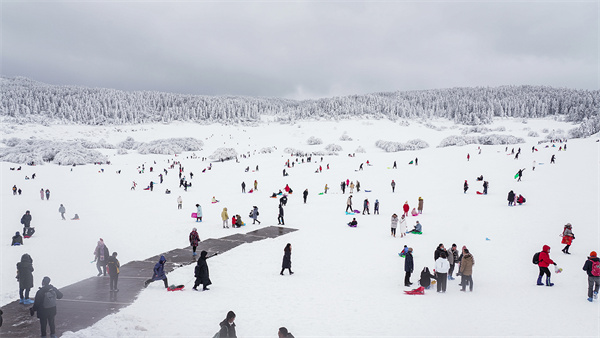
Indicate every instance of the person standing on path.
{"type": "Point", "coordinates": [201, 273]}
{"type": "Point", "coordinates": [592, 267]}
{"type": "Point", "coordinates": [45, 306]}
{"type": "Point", "coordinates": [62, 211]}
{"type": "Point", "coordinates": [408, 267]}
{"type": "Point", "coordinates": [101, 254]}
{"type": "Point", "coordinates": [25, 278]}
{"type": "Point", "coordinates": [194, 240]}
{"type": "Point", "coordinates": [287, 259]}
{"type": "Point", "coordinates": [114, 268]}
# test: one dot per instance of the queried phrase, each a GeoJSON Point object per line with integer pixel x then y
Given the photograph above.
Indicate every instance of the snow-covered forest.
{"type": "Point", "coordinates": [27, 101]}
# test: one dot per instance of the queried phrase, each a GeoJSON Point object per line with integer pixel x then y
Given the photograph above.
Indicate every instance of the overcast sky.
{"type": "Point", "coordinates": [301, 49]}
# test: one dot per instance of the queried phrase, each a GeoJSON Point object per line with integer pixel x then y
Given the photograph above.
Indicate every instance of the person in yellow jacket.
{"type": "Point", "coordinates": [225, 218]}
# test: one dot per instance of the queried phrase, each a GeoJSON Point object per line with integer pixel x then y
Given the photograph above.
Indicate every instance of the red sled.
{"type": "Point", "coordinates": [567, 240]}
{"type": "Point", "coordinates": [175, 287]}
{"type": "Point", "coordinates": [418, 291]}
{"type": "Point", "coordinates": [479, 193]}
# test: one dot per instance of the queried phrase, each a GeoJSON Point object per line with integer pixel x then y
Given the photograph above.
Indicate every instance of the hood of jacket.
{"type": "Point", "coordinates": [162, 259]}
{"type": "Point", "coordinates": [26, 259]}
{"type": "Point", "coordinates": [546, 248]}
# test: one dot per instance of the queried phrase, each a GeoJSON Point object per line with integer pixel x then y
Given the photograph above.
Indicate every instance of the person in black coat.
{"type": "Point", "coordinates": [17, 239]}
{"type": "Point", "coordinates": [511, 198]}
{"type": "Point", "coordinates": [201, 273]}
{"type": "Point", "coordinates": [287, 259]}
{"type": "Point", "coordinates": [26, 221]}
{"type": "Point", "coordinates": [228, 326]}
{"type": "Point", "coordinates": [280, 216]}
{"type": "Point", "coordinates": [305, 195]}
{"type": "Point", "coordinates": [46, 312]}
{"type": "Point", "coordinates": [25, 278]}
{"type": "Point", "coordinates": [438, 251]}
{"type": "Point", "coordinates": [408, 267]}
{"type": "Point", "coordinates": [426, 277]}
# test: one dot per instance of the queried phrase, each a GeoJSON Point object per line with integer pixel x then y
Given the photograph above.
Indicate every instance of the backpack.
{"type": "Point", "coordinates": [49, 299]}
{"type": "Point", "coordinates": [536, 258]}
{"type": "Point", "coordinates": [595, 270]}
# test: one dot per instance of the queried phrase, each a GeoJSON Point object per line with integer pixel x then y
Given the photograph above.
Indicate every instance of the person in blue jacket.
{"type": "Point", "coordinates": [159, 273]}
{"type": "Point", "coordinates": [198, 213]}
{"type": "Point", "coordinates": [408, 267]}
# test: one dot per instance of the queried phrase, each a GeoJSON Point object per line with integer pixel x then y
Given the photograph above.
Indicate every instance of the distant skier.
{"type": "Point", "coordinates": [62, 211]}
{"type": "Point", "coordinates": [543, 263]}
{"type": "Point", "coordinates": [194, 239]}
{"type": "Point", "coordinates": [201, 273]}
{"type": "Point", "coordinates": [592, 267]}
{"type": "Point", "coordinates": [158, 273]}
{"type": "Point", "coordinates": [567, 237]}
{"type": "Point", "coordinates": [287, 259]}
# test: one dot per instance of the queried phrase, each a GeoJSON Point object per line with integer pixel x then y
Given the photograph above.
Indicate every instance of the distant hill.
{"type": "Point", "coordinates": [24, 100]}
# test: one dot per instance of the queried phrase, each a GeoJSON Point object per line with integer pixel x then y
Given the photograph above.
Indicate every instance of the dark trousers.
{"type": "Point", "coordinates": [198, 281]}
{"type": "Point", "coordinates": [593, 280]}
{"type": "Point", "coordinates": [283, 269]}
{"type": "Point", "coordinates": [113, 281]}
{"type": "Point", "coordinates": [349, 206]}
{"type": "Point", "coordinates": [47, 320]}
{"type": "Point", "coordinates": [152, 280]}
{"type": "Point", "coordinates": [194, 249]}
{"type": "Point", "coordinates": [464, 280]}
{"type": "Point", "coordinates": [407, 278]}
{"type": "Point", "coordinates": [26, 293]}
{"type": "Point", "coordinates": [394, 232]}
{"type": "Point", "coordinates": [451, 270]}
{"type": "Point", "coordinates": [544, 271]}
{"type": "Point", "coordinates": [442, 278]}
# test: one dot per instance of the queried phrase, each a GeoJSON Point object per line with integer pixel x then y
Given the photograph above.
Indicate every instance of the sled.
{"type": "Point", "coordinates": [367, 190]}
{"type": "Point", "coordinates": [516, 175]}
{"type": "Point", "coordinates": [401, 254]}
{"type": "Point", "coordinates": [214, 202]}
{"type": "Point", "coordinates": [479, 193]}
{"type": "Point", "coordinates": [174, 287]}
{"type": "Point", "coordinates": [349, 213]}
{"type": "Point", "coordinates": [321, 193]}
{"type": "Point", "coordinates": [415, 232]}
{"type": "Point", "coordinates": [411, 162]}
{"type": "Point", "coordinates": [356, 212]}
{"type": "Point", "coordinates": [558, 270]}
{"type": "Point", "coordinates": [418, 291]}
{"type": "Point", "coordinates": [251, 191]}
{"type": "Point", "coordinates": [194, 215]}
{"type": "Point", "coordinates": [352, 226]}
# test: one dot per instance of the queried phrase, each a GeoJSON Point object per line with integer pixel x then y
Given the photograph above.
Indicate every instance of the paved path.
{"type": "Point", "coordinates": [86, 302]}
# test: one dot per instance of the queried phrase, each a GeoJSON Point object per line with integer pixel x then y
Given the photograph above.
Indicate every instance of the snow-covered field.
{"type": "Point", "coordinates": [348, 282]}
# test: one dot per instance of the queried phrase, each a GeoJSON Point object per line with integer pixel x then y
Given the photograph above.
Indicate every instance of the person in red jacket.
{"type": "Point", "coordinates": [405, 207]}
{"type": "Point", "coordinates": [544, 262]}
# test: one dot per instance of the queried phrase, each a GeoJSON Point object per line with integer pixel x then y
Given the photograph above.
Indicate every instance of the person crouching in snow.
{"type": "Point", "coordinates": [414, 212]}
{"type": "Point", "coordinates": [543, 263]}
{"type": "Point", "coordinates": [426, 277]}
{"type": "Point", "coordinates": [159, 273]}
{"type": "Point", "coordinates": [353, 223]}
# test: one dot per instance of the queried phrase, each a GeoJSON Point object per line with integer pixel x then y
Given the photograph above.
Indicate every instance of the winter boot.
{"type": "Point", "coordinates": [21, 301]}
{"type": "Point", "coordinates": [548, 282]}
{"type": "Point", "coordinates": [590, 299]}
{"type": "Point", "coordinates": [596, 295]}
{"type": "Point", "coordinates": [539, 281]}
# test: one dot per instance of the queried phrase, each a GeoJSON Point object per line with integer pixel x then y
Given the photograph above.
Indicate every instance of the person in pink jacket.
{"type": "Point", "coordinates": [543, 263]}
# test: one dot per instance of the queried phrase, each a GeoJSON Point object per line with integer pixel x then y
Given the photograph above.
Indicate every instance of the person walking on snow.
{"type": "Point", "coordinates": [408, 267]}
{"type": "Point", "coordinates": [26, 221]}
{"type": "Point", "coordinates": [485, 187]}
{"type": "Point", "coordinates": [305, 195]}
{"type": "Point", "coordinates": [567, 238]}
{"type": "Point", "coordinates": [62, 211]}
{"type": "Point", "coordinates": [179, 203]}
{"type": "Point", "coordinates": [394, 224]}
{"type": "Point", "coordinates": [543, 263]}
{"type": "Point", "coordinates": [420, 206]}
{"type": "Point", "coordinates": [351, 187]}
{"type": "Point", "coordinates": [406, 208]}
{"type": "Point", "coordinates": [254, 215]}
{"type": "Point", "coordinates": [441, 271]}
{"type": "Point", "coordinates": [466, 270]}
{"type": "Point", "coordinates": [228, 326]}
{"type": "Point", "coordinates": [520, 174]}
{"type": "Point", "coordinates": [194, 240]}
{"type": "Point", "coordinates": [45, 306]}
{"type": "Point", "coordinates": [158, 273]}
{"type": "Point", "coordinates": [114, 268]}
{"type": "Point", "coordinates": [225, 218]}
{"type": "Point", "coordinates": [468, 157]}
{"type": "Point", "coordinates": [376, 207]}
{"type": "Point", "coordinates": [42, 193]}
{"type": "Point", "coordinates": [393, 186]}
{"type": "Point", "coordinates": [47, 194]}
{"type": "Point", "coordinates": [402, 226]}
{"type": "Point", "coordinates": [25, 278]}
{"type": "Point", "coordinates": [287, 259]}
{"type": "Point", "coordinates": [101, 254]}
{"type": "Point", "coordinates": [201, 273]}
{"type": "Point", "coordinates": [243, 187]}
{"type": "Point", "coordinates": [465, 187]}
{"type": "Point", "coordinates": [551, 160]}
{"type": "Point", "coordinates": [343, 187]}
{"type": "Point", "coordinates": [349, 204]}
{"type": "Point", "coordinates": [198, 213]}
{"type": "Point", "coordinates": [592, 267]}
{"type": "Point", "coordinates": [280, 215]}
{"type": "Point", "coordinates": [366, 206]}
{"type": "Point", "coordinates": [255, 185]}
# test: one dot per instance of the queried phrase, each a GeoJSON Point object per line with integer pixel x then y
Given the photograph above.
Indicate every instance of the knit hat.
{"type": "Point", "coordinates": [593, 254]}
{"type": "Point", "coordinates": [45, 281]}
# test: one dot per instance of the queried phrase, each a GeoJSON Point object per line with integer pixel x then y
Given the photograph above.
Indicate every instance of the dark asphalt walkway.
{"type": "Point", "coordinates": [86, 302]}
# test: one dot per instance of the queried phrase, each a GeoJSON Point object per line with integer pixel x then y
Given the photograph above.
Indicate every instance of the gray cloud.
{"type": "Point", "coordinates": [301, 49]}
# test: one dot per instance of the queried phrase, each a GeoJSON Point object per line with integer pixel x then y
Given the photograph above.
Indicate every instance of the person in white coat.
{"type": "Point", "coordinates": [402, 226]}
{"type": "Point", "coordinates": [179, 202]}
{"type": "Point", "coordinates": [394, 224]}
{"type": "Point", "coordinates": [441, 271]}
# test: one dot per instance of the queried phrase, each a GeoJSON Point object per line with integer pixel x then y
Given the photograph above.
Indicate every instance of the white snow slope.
{"type": "Point", "coordinates": [348, 282]}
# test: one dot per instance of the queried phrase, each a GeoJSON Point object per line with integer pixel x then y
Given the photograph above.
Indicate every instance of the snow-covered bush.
{"type": "Point", "coordinates": [129, 143]}
{"type": "Point", "coordinates": [587, 128]}
{"type": "Point", "coordinates": [345, 137]}
{"type": "Point", "coordinates": [314, 140]}
{"type": "Point", "coordinates": [556, 134]}
{"type": "Point", "coordinates": [223, 154]}
{"type": "Point", "coordinates": [40, 151]}
{"type": "Point", "coordinates": [432, 126]}
{"type": "Point", "coordinates": [483, 139]}
{"type": "Point", "coordinates": [170, 146]}
{"type": "Point", "coordinates": [403, 123]}
{"type": "Point", "coordinates": [333, 147]}
{"type": "Point", "coordinates": [95, 145]}
{"type": "Point", "coordinates": [266, 150]}
{"type": "Point", "coordinates": [122, 151]}
{"type": "Point", "coordinates": [533, 134]}
{"type": "Point", "coordinates": [500, 128]}
{"type": "Point", "coordinates": [390, 146]}
{"type": "Point", "coordinates": [475, 129]}
{"type": "Point", "coordinates": [545, 130]}
{"type": "Point", "coordinates": [360, 150]}
{"type": "Point", "coordinates": [78, 155]}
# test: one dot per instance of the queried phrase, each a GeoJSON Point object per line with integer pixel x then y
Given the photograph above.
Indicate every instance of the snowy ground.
{"type": "Point", "coordinates": [348, 281]}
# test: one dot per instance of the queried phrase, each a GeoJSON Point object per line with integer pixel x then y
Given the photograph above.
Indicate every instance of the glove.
{"type": "Point", "coordinates": [554, 263]}
{"type": "Point", "coordinates": [31, 311]}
